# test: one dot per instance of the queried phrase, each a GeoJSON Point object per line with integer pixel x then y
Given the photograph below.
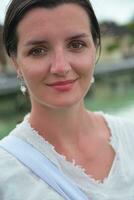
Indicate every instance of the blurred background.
{"type": "Point", "coordinates": [113, 90]}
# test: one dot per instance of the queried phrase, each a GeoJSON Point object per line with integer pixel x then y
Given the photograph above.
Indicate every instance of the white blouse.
{"type": "Point", "coordinates": [17, 182]}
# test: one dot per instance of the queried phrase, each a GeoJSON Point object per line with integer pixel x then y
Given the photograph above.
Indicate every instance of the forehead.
{"type": "Point", "coordinates": [60, 9]}
{"type": "Point", "coordinates": [64, 18]}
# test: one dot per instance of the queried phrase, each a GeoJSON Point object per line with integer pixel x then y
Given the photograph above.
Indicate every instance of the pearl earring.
{"type": "Point", "coordinates": [23, 88]}
{"type": "Point", "coordinates": [92, 80]}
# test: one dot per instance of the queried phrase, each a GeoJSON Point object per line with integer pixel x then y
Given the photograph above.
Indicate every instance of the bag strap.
{"type": "Point", "coordinates": [42, 167]}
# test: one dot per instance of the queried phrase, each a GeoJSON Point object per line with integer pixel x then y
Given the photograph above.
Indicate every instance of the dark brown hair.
{"type": "Point", "coordinates": [18, 8]}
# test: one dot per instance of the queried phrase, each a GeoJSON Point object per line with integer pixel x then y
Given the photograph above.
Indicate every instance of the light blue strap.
{"type": "Point", "coordinates": [42, 167]}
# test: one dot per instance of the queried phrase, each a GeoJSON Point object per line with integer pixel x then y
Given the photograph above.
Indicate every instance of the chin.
{"type": "Point", "coordinates": [60, 104]}
{"type": "Point", "coordinates": [57, 102]}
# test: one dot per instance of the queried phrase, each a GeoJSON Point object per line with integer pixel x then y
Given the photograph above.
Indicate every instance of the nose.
{"type": "Point", "coordinates": [60, 64]}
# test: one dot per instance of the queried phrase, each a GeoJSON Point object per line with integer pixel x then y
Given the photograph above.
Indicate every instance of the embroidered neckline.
{"type": "Point", "coordinates": [59, 157]}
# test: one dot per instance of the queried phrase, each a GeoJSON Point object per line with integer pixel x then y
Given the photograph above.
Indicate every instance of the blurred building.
{"type": "Point", "coordinates": [117, 41]}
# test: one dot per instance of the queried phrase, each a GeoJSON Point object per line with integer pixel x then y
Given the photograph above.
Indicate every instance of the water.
{"type": "Point", "coordinates": [127, 112]}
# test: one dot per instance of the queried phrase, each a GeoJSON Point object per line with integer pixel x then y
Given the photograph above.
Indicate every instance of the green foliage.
{"type": "Point", "coordinates": [112, 47]}
{"type": "Point", "coordinates": [12, 110]}
{"type": "Point", "coordinates": [6, 126]}
{"type": "Point", "coordinates": [8, 122]}
{"type": "Point", "coordinates": [131, 41]}
{"type": "Point", "coordinates": [130, 26]}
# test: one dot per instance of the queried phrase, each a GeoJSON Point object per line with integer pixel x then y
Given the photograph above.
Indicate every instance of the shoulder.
{"type": "Point", "coordinates": [19, 182]}
{"type": "Point", "coordinates": [119, 124]}
{"type": "Point", "coordinates": [10, 171]}
{"type": "Point", "coordinates": [122, 130]}
{"type": "Point", "coordinates": [9, 165]}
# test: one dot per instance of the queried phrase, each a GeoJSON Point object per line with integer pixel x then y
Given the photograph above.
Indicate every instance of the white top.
{"type": "Point", "coordinates": [18, 183]}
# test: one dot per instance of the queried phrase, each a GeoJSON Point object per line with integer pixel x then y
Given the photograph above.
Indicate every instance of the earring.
{"type": "Point", "coordinates": [92, 80]}
{"type": "Point", "coordinates": [23, 88]}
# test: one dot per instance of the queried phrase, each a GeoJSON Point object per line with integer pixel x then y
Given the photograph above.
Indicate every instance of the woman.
{"type": "Point", "coordinates": [53, 46]}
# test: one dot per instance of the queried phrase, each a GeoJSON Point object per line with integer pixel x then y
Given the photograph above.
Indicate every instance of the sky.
{"type": "Point", "coordinates": [120, 11]}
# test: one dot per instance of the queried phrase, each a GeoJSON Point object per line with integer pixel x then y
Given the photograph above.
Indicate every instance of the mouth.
{"type": "Point", "coordinates": [60, 83]}
{"type": "Point", "coordinates": [62, 86]}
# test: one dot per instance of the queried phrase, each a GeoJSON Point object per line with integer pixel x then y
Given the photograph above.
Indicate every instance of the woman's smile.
{"type": "Point", "coordinates": [62, 86]}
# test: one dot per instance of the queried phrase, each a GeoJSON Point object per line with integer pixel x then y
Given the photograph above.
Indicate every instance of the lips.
{"type": "Point", "coordinates": [60, 83]}
{"type": "Point", "coordinates": [62, 86]}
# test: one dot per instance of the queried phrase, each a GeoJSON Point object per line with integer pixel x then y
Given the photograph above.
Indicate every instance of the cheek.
{"type": "Point", "coordinates": [34, 71]}
{"type": "Point", "coordinates": [85, 65]}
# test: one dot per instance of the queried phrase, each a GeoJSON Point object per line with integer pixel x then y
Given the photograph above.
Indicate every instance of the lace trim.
{"type": "Point", "coordinates": [52, 154]}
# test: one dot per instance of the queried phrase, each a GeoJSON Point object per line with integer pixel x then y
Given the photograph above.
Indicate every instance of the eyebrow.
{"type": "Point", "coordinates": [81, 35]}
{"type": "Point", "coordinates": [35, 42]}
{"type": "Point", "coordinates": [38, 41]}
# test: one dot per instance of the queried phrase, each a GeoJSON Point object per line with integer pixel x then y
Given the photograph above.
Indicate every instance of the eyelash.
{"type": "Point", "coordinates": [78, 45]}
{"type": "Point", "coordinates": [38, 51]}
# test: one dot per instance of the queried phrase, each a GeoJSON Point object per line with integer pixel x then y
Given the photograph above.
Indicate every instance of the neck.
{"type": "Point", "coordinates": [60, 125]}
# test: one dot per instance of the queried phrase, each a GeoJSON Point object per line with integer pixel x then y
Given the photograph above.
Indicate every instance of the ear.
{"type": "Point", "coordinates": [14, 63]}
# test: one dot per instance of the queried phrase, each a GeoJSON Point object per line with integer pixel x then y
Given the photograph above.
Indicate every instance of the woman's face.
{"type": "Point", "coordinates": [56, 55]}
